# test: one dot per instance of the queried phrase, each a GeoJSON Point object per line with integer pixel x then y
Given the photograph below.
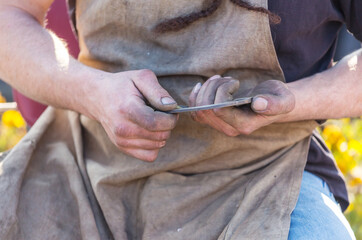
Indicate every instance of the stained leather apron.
{"type": "Point", "coordinates": [65, 179]}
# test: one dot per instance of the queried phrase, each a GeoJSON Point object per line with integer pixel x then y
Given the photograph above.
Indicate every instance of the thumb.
{"type": "Point", "coordinates": [147, 83]}
{"type": "Point", "coordinates": [270, 105]}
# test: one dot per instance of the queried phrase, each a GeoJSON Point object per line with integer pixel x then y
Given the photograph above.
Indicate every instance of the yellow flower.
{"type": "Point", "coordinates": [12, 118]}
{"type": "Point", "coordinates": [355, 182]}
{"type": "Point", "coordinates": [332, 134]}
{"type": "Point", "coordinates": [355, 145]}
{"type": "Point", "coordinates": [346, 121]}
{"type": "Point", "coordinates": [2, 99]}
{"type": "Point", "coordinates": [342, 145]}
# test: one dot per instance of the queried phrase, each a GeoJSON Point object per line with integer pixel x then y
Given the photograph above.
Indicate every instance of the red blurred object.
{"type": "Point", "coordinates": [58, 22]}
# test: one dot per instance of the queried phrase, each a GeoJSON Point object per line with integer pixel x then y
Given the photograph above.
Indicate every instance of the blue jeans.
{"type": "Point", "coordinates": [317, 215]}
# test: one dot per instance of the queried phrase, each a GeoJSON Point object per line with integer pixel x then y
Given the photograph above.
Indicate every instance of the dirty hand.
{"type": "Point", "coordinates": [119, 104]}
{"type": "Point", "coordinates": [271, 101]}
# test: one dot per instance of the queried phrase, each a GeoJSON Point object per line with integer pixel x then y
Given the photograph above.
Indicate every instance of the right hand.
{"type": "Point", "coordinates": [119, 104]}
{"type": "Point", "coordinates": [272, 101]}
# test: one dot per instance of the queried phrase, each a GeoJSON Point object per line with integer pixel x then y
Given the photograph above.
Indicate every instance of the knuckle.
{"type": "Point", "coordinates": [127, 104]}
{"type": "Point", "coordinates": [146, 74]}
{"type": "Point", "coordinates": [153, 145]}
{"type": "Point", "coordinates": [193, 116]}
{"type": "Point", "coordinates": [219, 112]}
{"type": "Point", "coordinates": [198, 117]}
{"type": "Point", "coordinates": [151, 123]}
{"type": "Point", "coordinates": [291, 103]}
{"type": "Point", "coordinates": [201, 115]}
{"type": "Point", "coordinates": [122, 143]}
{"type": "Point", "coordinates": [160, 144]}
{"type": "Point", "coordinates": [157, 123]}
{"type": "Point", "coordinates": [232, 133]}
{"type": "Point", "coordinates": [246, 130]}
{"type": "Point", "coordinates": [289, 108]}
{"type": "Point", "coordinates": [163, 136]}
{"type": "Point", "coordinates": [223, 87]}
{"type": "Point", "coordinates": [173, 122]}
{"type": "Point", "coordinates": [151, 156]}
{"type": "Point", "coordinates": [128, 108]}
{"type": "Point", "coordinates": [121, 148]}
{"type": "Point", "coordinates": [122, 130]}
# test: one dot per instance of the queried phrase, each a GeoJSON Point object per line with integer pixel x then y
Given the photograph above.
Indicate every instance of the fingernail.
{"type": "Point", "coordinates": [214, 77]}
{"type": "Point", "coordinates": [260, 104]}
{"type": "Point", "coordinates": [197, 88]}
{"type": "Point", "coordinates": [167, 101]}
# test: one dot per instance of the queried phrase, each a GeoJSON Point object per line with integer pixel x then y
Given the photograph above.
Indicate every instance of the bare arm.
{"type": "Point", "coordinates": [334, 93]}
{"type": "Point", "coordinates": [36, 62]}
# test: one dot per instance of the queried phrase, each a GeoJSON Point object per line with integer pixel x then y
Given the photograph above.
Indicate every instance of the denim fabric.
{"type": "Point", "coordinates": [317, 215]}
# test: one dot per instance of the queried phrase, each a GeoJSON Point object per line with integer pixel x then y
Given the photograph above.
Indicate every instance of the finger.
{"type": "Point", "coordinates": [226, 90]}
{"type": "Point", "coordinates": [205, 96]}
{"type": "Point", "coordinates": [193, 94]}
{"type": "Point", "coordinates": [244, 121]}
{"type": "Point", "coordinates": [151, 120]}
{"type": "Point", "coordinates": [140, 143]}
{"type": "Point", "coordinates": [193, 97]}
{"type": "Point", "coordinates": [234, 116]}
{"type": "Point", "coordinates": [208, 90]}
{"type": "Point", "coordinates": [224, 93]}
{"type": "Point", "coordinates": [147, 83]}
{"type": "Point", "coordinates": [208, 116]}
{"type": "Point", "coordinates": [272, 97]}
{"type": "Point", "coordinates": [271, 105]}
{"type": "Point", "coordinates": [142, 154]}
{"type": "Point", "coordinates": [133, 131]}
{"type": "Point", "coordinates": [214, 77]}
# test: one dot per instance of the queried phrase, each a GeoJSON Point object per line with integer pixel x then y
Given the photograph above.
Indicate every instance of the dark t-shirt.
{"type": "Point", "coordinates": [305, 42]}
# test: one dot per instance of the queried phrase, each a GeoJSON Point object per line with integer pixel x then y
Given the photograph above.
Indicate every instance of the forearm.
{"type": "Point", "coordinates": [37, 63]}
{"type": "Point", "coordinates": [334, 93]}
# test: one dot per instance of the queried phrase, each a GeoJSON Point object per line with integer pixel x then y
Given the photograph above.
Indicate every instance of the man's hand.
{"type": "Point", "coordinates": [271, 101]}
{"type": "Point", "coordinates": [42, 69]}
{"type": "Point", "coordinates": [119, 104]}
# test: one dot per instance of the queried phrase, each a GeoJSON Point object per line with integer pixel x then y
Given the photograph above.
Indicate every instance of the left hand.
{"type": "Point", "coordinates": [272, 100]}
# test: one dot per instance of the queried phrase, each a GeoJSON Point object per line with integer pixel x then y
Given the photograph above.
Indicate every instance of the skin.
{"type": "Point", "coordinates": [236, 121]}
{"type": "Point", "coordinates": [35, 62]}
{"type": "Point", "coordinates": [334, 93]}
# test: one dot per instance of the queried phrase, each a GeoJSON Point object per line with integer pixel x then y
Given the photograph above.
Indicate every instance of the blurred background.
{"type": "Point", "coordinates": [343, 136]}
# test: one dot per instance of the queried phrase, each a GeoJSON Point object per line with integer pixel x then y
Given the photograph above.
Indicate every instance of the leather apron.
{"type": "Point", "coordinates": [66, 180]}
